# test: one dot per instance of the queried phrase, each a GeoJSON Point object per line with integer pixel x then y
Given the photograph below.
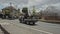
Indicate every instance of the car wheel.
{"type": "Point", "coordinates": [27, 23]}
{"type": "Point", "coordinates": [21, 21]}
{"type": "Point", "coordinates": [33, 23]}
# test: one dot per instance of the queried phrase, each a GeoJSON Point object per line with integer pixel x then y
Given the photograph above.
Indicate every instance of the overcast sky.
{"type": "Point", "coordinates": [29, 3]}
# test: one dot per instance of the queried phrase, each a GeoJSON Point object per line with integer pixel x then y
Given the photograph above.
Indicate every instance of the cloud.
{"type": "Point", "coordinates": [57, 5]}
{"type": "Point", "coordinates": [14, 1]}
{"type": "Point", "coordinates": [38, 3]}
{"type": "Point", "coordinates": [34, 2]}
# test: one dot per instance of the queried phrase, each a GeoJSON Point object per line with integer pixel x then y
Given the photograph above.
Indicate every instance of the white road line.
{"type": "Point", "coordinates": [38, 30]}
{"type": "Point", "coordinates": [35, 29]}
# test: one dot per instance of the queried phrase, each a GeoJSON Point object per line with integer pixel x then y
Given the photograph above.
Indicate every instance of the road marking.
{"type": "Point", "coordinates": [38, 30]}
{"type": "Point", "coordinates": [34, 29]}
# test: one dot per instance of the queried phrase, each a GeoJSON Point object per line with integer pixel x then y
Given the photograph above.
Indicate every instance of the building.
{"type": "Point", "coordinates": [12, 11]}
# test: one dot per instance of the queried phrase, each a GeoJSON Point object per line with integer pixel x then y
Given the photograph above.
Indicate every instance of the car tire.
{"type": "Point", "coordinates": [27, 23]}
{"type": "Point", "coordinates": [33, 23]}
{"type": "Point", "coordinates": [20, 21]}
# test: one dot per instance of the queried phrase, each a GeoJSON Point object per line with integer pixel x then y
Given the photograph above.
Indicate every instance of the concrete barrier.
{"type": "Point", "coordinates": [4, 31]}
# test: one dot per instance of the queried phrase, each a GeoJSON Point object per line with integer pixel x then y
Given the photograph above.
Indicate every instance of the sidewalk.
{"type": "Point", "coordinates": [50, 21]}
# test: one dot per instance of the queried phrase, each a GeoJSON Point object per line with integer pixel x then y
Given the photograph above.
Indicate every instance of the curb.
{"type": "Point", "coordinates": [50, 21]}
{"type": "Point", "coordinates": [4, 31]}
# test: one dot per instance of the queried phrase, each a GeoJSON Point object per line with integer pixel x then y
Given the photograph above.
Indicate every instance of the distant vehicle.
{"type": "Point", "coordinates": [25, 18]}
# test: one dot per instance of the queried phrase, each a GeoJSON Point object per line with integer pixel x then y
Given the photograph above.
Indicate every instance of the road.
{"type": "Point", "coordinates": [14, 27]}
